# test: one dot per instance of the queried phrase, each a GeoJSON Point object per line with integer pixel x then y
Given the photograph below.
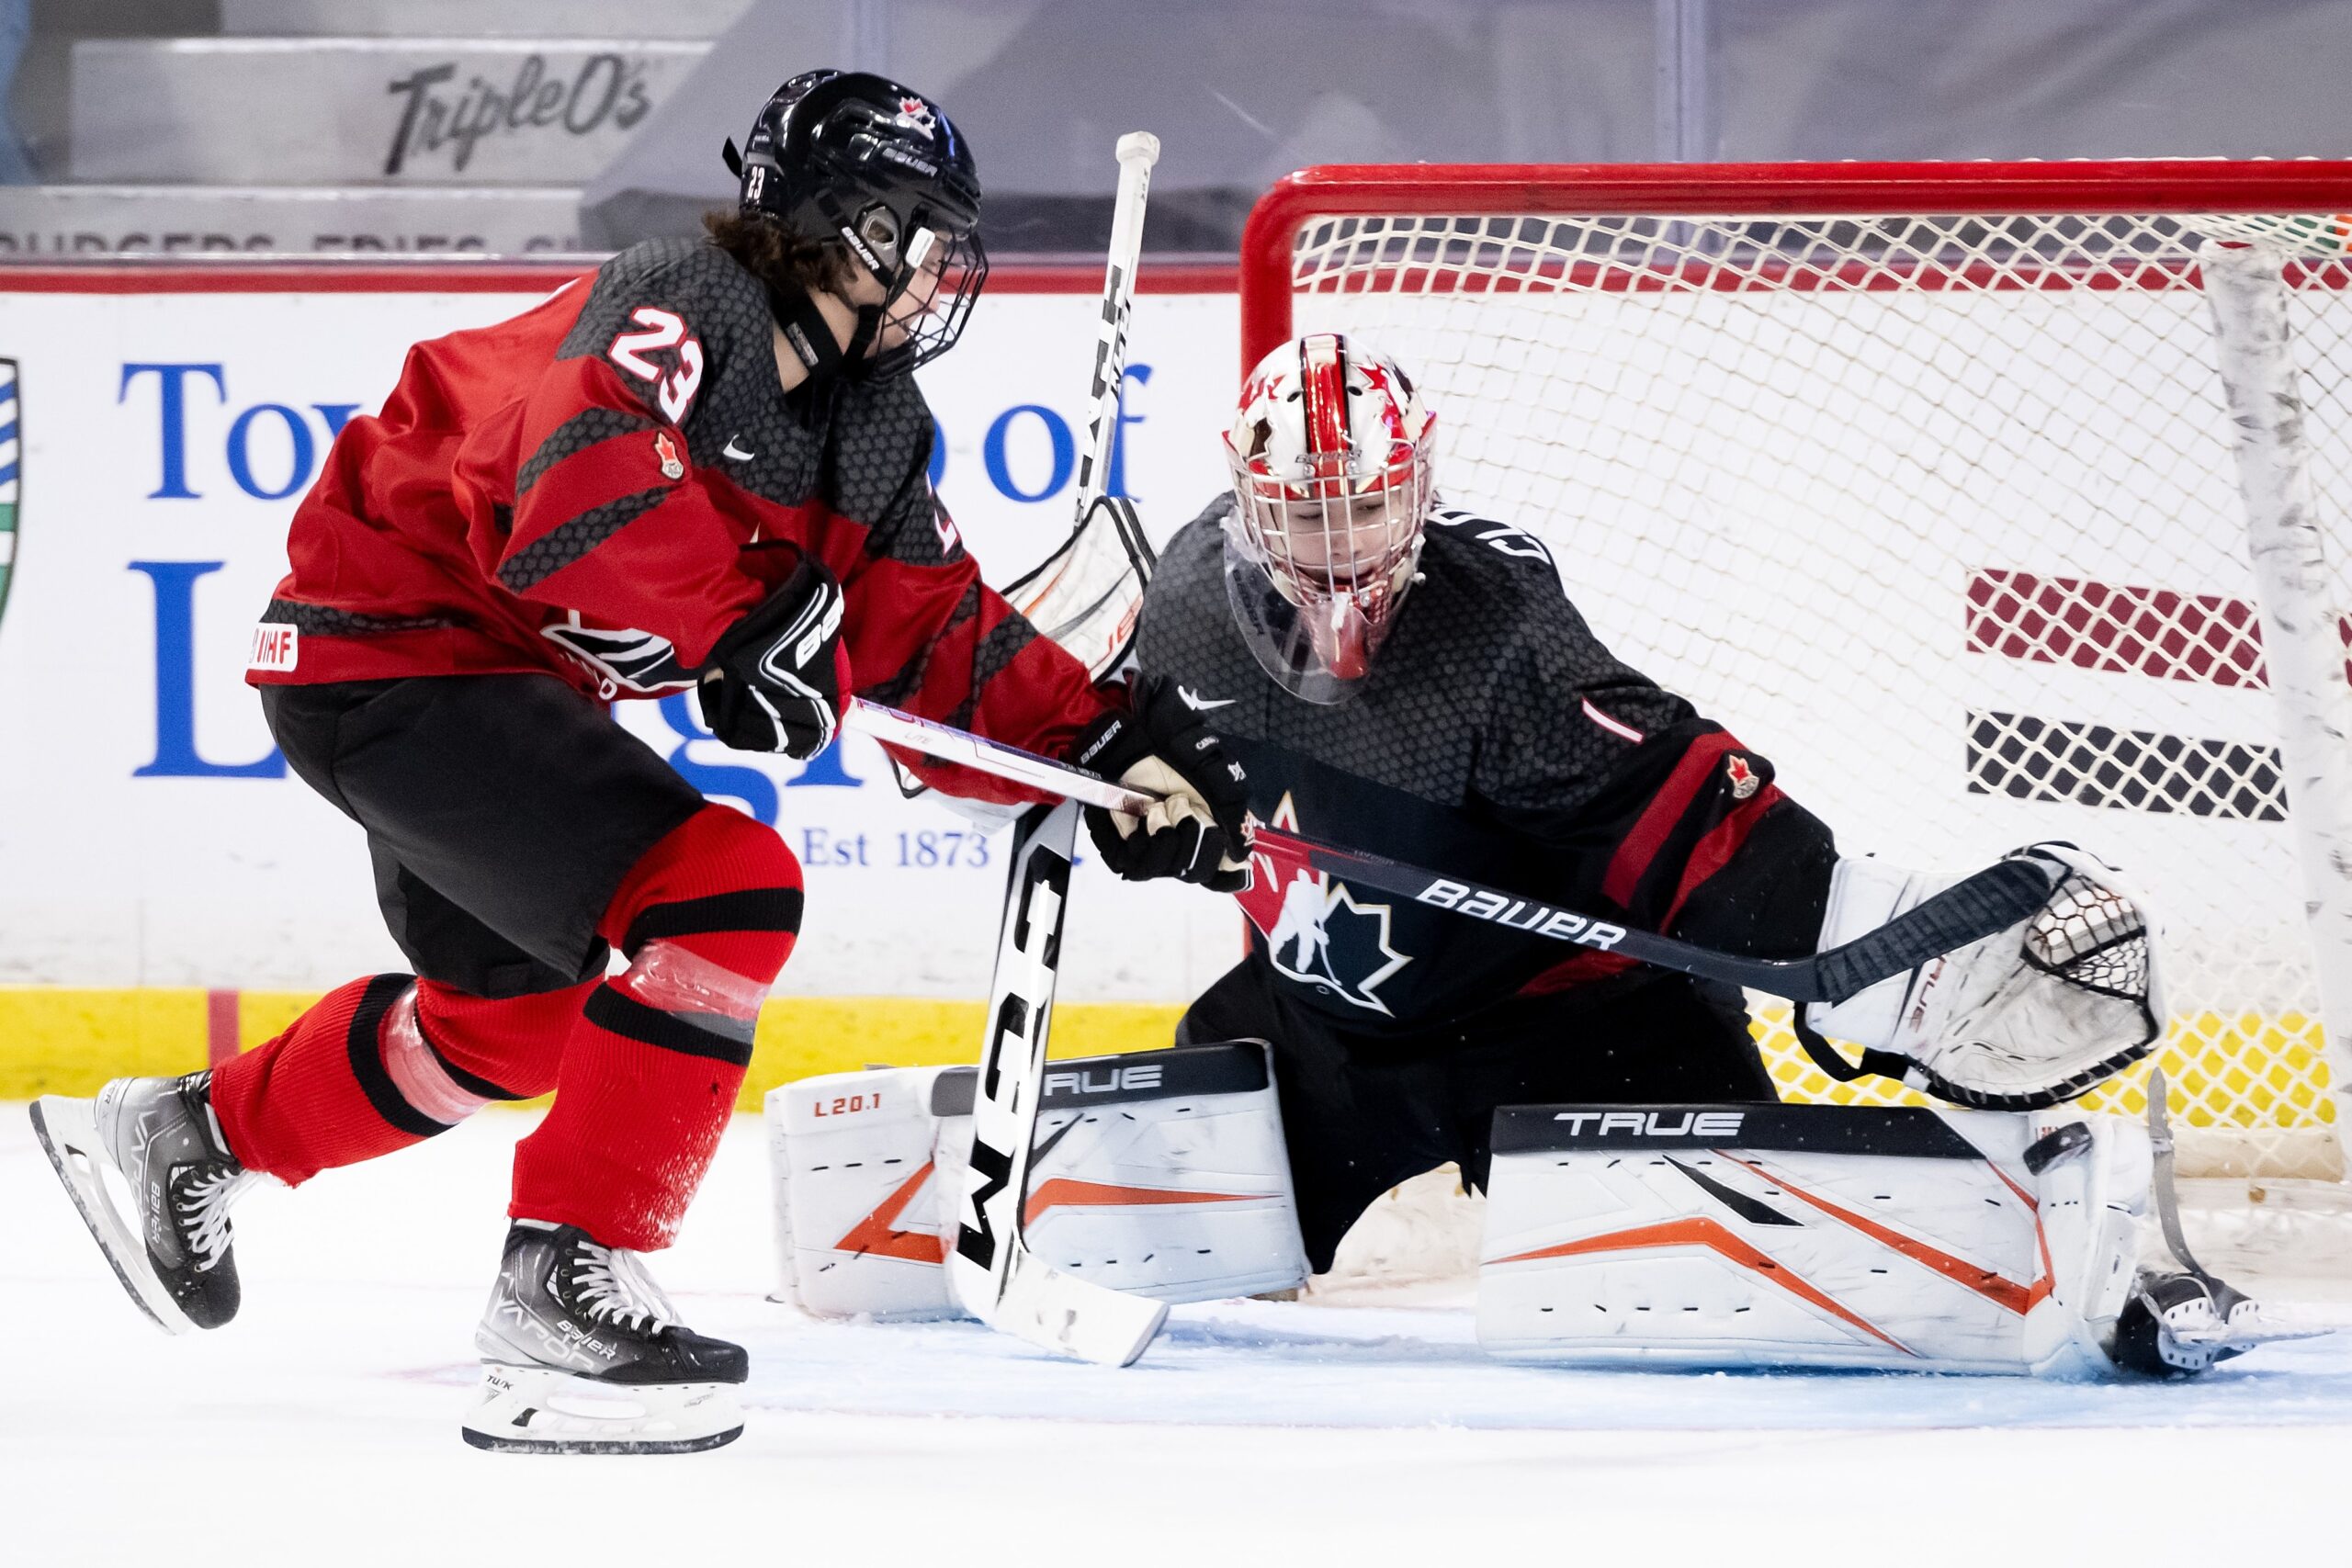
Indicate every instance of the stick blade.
{"type": "Point", "coordinates": [1071, 1316]}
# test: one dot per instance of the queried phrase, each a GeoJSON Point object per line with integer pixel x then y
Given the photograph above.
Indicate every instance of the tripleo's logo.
{"type": "Point", "coordinates": [1316, 931]}
{"type": "Point", "coordinates": [11, 460]}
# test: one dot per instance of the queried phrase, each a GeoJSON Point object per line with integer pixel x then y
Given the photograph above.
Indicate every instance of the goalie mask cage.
{"type": "Point", "coordinates": [1993, 502]}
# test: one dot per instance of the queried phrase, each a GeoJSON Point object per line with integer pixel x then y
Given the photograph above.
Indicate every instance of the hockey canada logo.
{"type": "Point", "coordinates": [1316, 931]}
{"type": "Point", "coordinates": [916, 116]}
{"type": "Point", "coordinates": [11, 459]}
{"type": "Point", "coordinates": [1744, 781]}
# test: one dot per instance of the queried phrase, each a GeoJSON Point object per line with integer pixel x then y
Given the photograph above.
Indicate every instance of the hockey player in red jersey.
{"type": "Point", "coordinates": [1410, 678]}
{"type": "Point", "coordinates": [705, 468]}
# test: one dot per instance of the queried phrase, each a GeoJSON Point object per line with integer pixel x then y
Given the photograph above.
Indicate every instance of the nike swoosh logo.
{"type": "Point", "coordinates": [732, 450]}
{"type": "Point", "coordinates": [1200, 704]}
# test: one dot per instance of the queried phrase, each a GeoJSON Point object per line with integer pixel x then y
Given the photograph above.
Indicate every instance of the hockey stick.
{"type": "Point", "coordinates": [1992, 901]}
{"type": "Point", "coordinates": [991, 1270]}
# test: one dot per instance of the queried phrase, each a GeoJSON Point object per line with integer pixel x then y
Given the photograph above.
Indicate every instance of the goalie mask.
{"type": "Point", "coordinates": [1330, 452]}
{"type": "Point", "coordinates": [849, 156]}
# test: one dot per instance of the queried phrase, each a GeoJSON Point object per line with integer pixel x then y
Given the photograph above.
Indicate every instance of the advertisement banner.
{"type": "Point", "coordinates": [150, 834]}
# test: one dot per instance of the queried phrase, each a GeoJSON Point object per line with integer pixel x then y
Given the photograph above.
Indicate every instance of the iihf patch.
{"type": "Point", "coordinates": [277, 648]}
{"type": "Point", "coordinates": [1743, 780]}
{"type": "Point", "coordinates": [667, 450]}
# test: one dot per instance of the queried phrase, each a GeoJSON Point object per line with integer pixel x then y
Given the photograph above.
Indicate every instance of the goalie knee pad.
{"type": "Point", "coordinates": [1161, 1172]}
{"type": "Point", "coordinates": [1811, 1236]}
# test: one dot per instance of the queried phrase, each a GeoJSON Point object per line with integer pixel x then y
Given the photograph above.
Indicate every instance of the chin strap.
{"type": "Point", "coordinates": [858, 358]}
{"type": "Point", "coordinates": [812, 340]}
{"type": "Point", "coordinates": [809, 334]}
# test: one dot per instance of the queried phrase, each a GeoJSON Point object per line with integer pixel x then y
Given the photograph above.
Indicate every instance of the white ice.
{"type": "Point", "coordinates": [321, 1426]}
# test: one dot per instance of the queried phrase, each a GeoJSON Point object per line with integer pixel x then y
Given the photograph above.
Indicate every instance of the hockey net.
{"type": "Point", "coordinates": [1925, 482]}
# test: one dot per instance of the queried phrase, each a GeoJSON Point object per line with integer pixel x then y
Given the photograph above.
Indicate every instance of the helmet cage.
{"type": "Point", "coordinates": [930, 281]}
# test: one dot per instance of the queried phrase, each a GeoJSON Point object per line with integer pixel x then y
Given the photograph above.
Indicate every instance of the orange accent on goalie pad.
{"type": "Point", "coordinates": [1705, 1233]}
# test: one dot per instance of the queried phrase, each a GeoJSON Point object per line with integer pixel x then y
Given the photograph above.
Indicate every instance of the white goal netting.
{"type": "Point", "coordinates": [1942, 514]}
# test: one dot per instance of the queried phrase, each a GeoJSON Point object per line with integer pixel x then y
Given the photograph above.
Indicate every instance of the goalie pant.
{"type": "Point", "coordinates": [1363, 1112]}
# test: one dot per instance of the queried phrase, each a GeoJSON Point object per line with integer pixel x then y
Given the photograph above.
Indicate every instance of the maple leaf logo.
{"type": "Point", "coordinates": [1317, 932]}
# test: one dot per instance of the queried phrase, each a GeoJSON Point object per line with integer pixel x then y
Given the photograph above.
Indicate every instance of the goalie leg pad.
{"type": "Point", "coordinates": [861, 1204]}
{"type": "Point", "coordinates": [1710, 1237]}
{"type": "Point", "coordinates": [1162, 1173]}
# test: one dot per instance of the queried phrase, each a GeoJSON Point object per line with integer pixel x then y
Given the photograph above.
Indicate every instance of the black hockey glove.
{"type": "Point", "coordinates": [776, 681]}
{"type": "Point", "coordinates": [1195, 832]}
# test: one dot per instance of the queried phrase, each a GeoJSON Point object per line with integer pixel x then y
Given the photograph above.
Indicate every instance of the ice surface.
{"type": "Point", "coordinates": [321, 1426]}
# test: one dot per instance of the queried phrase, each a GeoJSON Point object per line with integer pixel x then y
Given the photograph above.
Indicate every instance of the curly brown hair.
{"type": "Point", "coordinates": [776, 255]}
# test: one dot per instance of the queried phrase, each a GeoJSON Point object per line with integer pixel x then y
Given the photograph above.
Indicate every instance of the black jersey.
{"type": "Point", "coordinates": [1495, 737]}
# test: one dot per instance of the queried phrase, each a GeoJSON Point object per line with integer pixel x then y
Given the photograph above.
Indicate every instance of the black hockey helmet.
{"type": "Point", "coordinates": [848, 155]}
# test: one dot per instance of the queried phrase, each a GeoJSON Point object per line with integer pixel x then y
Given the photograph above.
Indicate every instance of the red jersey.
{"type": "Point", "coordinates": [600, 486]}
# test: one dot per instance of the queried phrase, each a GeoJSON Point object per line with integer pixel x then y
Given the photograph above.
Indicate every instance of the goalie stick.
{"type": "Point", "coordinates": [1992, 901]}
{"type": "Point", "coordinates": [1085, 595]}
{"type": "Point", "coordinates": [991, 1270]}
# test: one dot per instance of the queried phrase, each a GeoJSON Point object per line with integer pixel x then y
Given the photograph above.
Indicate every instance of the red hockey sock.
{"type": "Point", "coordinates": [381, 1064]}
{"type": "Point", "coordinates": [650, 1073]}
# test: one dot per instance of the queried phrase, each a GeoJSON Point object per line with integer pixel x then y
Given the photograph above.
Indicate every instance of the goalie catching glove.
{"type": "Point", "coordinates": [2023, 1018]}
{"type": "Point", "coordinates": [1194, 831]}
{"type": "Point", "coordinates": [777, 679]}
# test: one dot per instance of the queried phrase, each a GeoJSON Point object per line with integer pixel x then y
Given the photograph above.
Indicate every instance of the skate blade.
{"type": "Point", "coordinates": [68, 1130]}
{"type": "Point", "coordinates": [537, 1410]}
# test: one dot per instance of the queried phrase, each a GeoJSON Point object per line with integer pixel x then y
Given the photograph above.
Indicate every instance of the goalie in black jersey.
{"type": "Point", "coordinates": [1410, 678]}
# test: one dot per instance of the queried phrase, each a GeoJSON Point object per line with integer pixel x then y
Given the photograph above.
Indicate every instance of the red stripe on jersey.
{"type": "Point", "coordinates": [1582, 969]}
{"type": "Point", "coordinates": [1673, 798]}
{"type": "Point", "coordinates": [1716, 847]}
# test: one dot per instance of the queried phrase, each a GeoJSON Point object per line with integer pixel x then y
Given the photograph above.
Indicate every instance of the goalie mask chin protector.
{"type": "Point", "coordinates": [1330, 453]}
{"type": "Point", "coordinates": [854, 158]}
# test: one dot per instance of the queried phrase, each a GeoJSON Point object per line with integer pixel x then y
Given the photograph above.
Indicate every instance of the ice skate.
{"type": "Point", "coordinates": [160, 1138]}
{"type": "Point", "coordinates": [583, 1353]}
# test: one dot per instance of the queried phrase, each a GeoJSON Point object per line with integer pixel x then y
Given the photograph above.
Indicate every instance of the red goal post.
{"type": "Point", "coordinates": [1994, 502]}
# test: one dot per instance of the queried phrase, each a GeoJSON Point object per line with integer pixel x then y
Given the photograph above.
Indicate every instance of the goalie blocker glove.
{"type": "Point", "coordinates": [1195, 832]}
{"type": "Point", "coordinates": [775, 680]}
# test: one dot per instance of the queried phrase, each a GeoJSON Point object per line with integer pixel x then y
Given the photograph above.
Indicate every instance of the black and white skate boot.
{"type": "Point", "coordinates": [160, 1137]}
{"type": "Point", "coordinates": [581, 1353]}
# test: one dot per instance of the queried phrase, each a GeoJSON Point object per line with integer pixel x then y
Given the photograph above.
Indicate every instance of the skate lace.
{"type": "Point", "coordinates": [202, 1202]}
{"type": "Point", "coordinates": [611, 1284]}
